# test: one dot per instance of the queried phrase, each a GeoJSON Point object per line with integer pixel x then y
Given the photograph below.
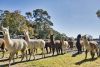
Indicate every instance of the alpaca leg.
{"type": "Point", "coordinates": [16, 54]}
{"type": "Point", "coordinates": [3, 54]}
{"type": "Point", "coordinates": [23, 54]}
{"type": "Point", "coordinates": [86, 54]}
{"type": "Point", "coordinates": [53, 50]}
{"type": "Point", "coordinates": [97, 52]}
{"type": "Point", "coordinates": [92, 54]}
{"type": "Point", "coordinates": [11, 57]}
{"type": "Point", "coordinates": [57, 50]}
{"type": "Point", "coordinates": [36, 51]}
{"type": "Point", "coordinates": [31, 50]}
{"type": "Point", "coordinates": [83, 48]}
{"type": "Point", "coordinates": [46, 49]}
{"type": "Point", "coordinates": [26, 54]}
{"type": "Point", "coordinates": [43, 53]}
{"type": "Point", "coordinates": [62, 50]}
{"type": "Point", "coordinates": [50, 49]}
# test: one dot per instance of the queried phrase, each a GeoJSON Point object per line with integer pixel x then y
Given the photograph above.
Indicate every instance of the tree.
{"type": "Point", "coordinates": [40, 20]}
{"type": "Point", "coordinates": [98, 13]}
{"type": "Point", "coordinates": [14, 20]}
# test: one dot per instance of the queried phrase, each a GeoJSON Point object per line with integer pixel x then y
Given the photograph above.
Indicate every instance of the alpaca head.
{"type": "Point", "coordinates": [25, 32]}
{"type": "Point", "coordinates": [5, 31]}
{"type": "Point", "coordinates": [84, 37]}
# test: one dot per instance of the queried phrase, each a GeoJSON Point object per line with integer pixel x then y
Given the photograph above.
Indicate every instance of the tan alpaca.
{"type": "Point", "coordinates": [90, 46]}
{"type": "Point", "coordinates": [34, 44]}
{"type": "Point", "coordinates": [64, 45]}
{"type": "Point", "coordinates": [14, 45]}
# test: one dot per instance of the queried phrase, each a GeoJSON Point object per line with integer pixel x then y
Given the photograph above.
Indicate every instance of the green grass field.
{"type": "Point", "coordinates": [65, 60]}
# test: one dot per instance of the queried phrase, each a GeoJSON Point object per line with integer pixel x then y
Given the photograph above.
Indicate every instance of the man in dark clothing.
{"type": "Point", "coordinates": [78, 45]}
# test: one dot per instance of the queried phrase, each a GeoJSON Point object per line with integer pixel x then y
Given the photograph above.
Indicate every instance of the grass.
{"type": "Point", "coordinates": [65, 60]}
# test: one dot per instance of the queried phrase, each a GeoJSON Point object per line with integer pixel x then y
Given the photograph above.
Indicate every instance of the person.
{"type": "Point", "coordinates": [78, 45]}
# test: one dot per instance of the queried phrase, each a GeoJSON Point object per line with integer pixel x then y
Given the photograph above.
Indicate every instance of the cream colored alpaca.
{"type": "Point", "coordinates": [82, 45]}
{"type": "Point", "coordinates": [14, 45]}
{"type": "Point", "coordinates": [34, 44]}
{"type": "Point", "coordinates": [90, 46]}
{"type": "Point", "coordinates": [64, 45]}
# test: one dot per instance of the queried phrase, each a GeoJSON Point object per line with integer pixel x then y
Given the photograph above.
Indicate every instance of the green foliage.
{"type": "Point", "coordinates": [41, 22]}
{"type": "Point", "coordinates": [14, 20]}
{"type": "Point", "coordinates": [37, 22]}
{"type": "Point", "coordinates": [98, 13]}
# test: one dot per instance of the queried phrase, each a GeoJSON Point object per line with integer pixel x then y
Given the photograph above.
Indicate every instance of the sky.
{"type": "Point", "coordinates": [71, 17]}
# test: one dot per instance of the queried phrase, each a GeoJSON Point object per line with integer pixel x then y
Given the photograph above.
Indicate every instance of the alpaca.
{"type": "Point", "coordinates": [2, 46]}
{"type": "Point", "coordinates": [64, 45]}
{"type": "Point", "coordinates": [34, 44]}
{"type": "Point", "coordinates": [60, 46]}
{"type": "Point", "coordinates": [48, 45]}
{"type": "Point", "coordinates": [14, 45]}
{"type": "Point", "coordinates": [82, 45]}
{"type": "Point", "coordinates": [90, 46]}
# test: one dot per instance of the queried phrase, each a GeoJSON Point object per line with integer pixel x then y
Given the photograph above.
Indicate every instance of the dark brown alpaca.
{"type": "Point", "coordinates": [48, 45]}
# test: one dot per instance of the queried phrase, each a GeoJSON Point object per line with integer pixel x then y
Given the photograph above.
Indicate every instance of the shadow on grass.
{"type": "Point", "coordinates": [2, 60]}
{"type": "Point", "coordinates": [85, 60]}
{"type": "Point", "coordinates": [75, 54]}
{"type": "Point", "coordinates": [5, 65]}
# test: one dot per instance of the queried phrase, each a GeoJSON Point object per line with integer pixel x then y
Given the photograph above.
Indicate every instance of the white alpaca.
{"type": "Point", "coordinates": [34, 44]}
{"type": "Point", "coordinates": [64, 45]}
{"type": "Point", "coordinates": [14, 45]}
{"type": "Point", "coordinates": [90, 46]}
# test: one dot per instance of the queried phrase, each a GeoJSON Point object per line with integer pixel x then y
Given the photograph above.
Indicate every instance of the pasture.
{"type": "Point", "coordinates": [65, 60]}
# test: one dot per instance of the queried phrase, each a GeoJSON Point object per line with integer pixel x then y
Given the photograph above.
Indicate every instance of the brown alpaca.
{"type": "Point", "coordinates": [2, 46]}
{"type": "Point", "coordinates": [90, 46]}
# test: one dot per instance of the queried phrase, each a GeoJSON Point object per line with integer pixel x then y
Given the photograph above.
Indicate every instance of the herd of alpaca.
{"type": "Point", "coordinates": [13, 46]}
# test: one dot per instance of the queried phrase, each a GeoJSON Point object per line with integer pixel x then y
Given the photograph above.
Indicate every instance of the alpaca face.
{"type": "Point", "coordinates": [25, 32]}
{"type": "Point", "coordinates": [5, 31]}
{"type": "Point", "coordinates": [84, 37]}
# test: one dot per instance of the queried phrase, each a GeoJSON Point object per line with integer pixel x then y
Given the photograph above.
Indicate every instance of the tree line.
{"type": "Point", "coordinates": [38, 22]}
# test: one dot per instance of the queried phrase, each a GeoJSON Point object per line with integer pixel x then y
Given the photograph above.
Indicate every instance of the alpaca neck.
{"type": "Point", "coordinates": [27, 38]}
{"type": "Point", "coordinates": [62, 41]}
{"type": "Point", "coordinates": [86, 42]}
{"type": "Point", "coordinates": [7, 39]}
